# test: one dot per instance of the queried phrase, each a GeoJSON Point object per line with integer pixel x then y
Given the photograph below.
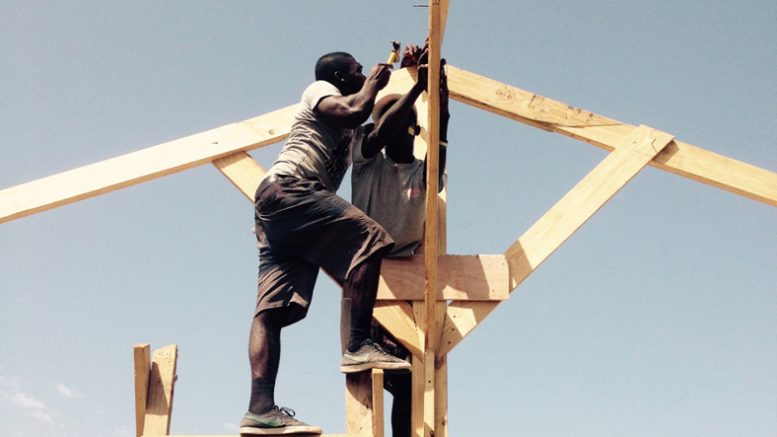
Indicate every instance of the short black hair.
{"type": "Point", "coordinates": [329, 63]}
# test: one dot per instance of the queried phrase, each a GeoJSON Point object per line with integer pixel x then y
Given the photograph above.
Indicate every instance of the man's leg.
{"type": "Point", "coordinates": [362, 287]}
{"type": "Point", "coordinates": [264, 349]}
{"type": "Point", "coordinates": [399, 385]}
{"type": "Point", "coordinates": [362, 353]}
{"type": "Point", "coordinates": [264, 352]}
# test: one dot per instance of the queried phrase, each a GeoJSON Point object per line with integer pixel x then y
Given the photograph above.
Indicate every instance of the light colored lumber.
{"type": "Point", "coordinates": [441, 396]}
{"type": "Point", "coordinates": [417, 379]}
{"type": "Point", "coordinates": [432, 167]}
{"type": "Point", "coordinates": [158, 161]}
{"type": "Point", "coordinates": [144, 165]}
{"type": "Point", "coordinates": [358, 404]}
{"type": "Point", "coordinates": [461, 319]}
{"type": "Point", "coordinates": [377, 403]}
{"type": "Point", "coordinates": [430, 406]}
{"type": "Point", "coordinates": [397, 318]}
{"type": "Point", "coordinates": [680, 158]}
{"type": "Point", "coordinates": [460, 277]}
{"type": "Point", "coordinates": [580, 203]}
{"type": "Point", "coordinates": [559, 223]}
{"type": "Point", "coordinates": [160, 391]}
{"type": "Point", "coordinates": [244, 173]}
{"type": "Point", "coordinates": [142, 364]}
{"type": "Point", "coordinates": [443, 18]}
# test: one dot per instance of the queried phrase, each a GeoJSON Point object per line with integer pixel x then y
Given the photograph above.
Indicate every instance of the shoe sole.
{"type": "Point", "coordinates": [361, 367]}
{"type": "Point", "coordinates": [286, 430]}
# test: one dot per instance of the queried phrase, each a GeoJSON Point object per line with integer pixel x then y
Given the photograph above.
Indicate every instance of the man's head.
{"type": "Point", "coordinates": [399, 146]}
{"type": "Point", "coordinates": [341, 70]}
{"type": "Point", "coordinates": [383, 105]}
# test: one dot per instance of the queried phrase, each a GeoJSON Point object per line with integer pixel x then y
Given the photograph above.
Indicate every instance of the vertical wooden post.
{"type": "Point", "coordinates": [431, 227]}
{"type": "Point", "coordinates": [142, 356]}
{"type": "Point", "coordinates": [364, 404]}
{"type": "Point", "coordinates": [159, 405]}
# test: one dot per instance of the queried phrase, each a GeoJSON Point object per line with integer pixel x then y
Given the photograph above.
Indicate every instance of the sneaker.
{"type": "Point", "coordinates": [371, 356]}
{"type": "Point", "coordinates": [278, 421]}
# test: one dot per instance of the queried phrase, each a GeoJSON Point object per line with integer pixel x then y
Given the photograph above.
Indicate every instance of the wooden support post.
{"type": "Point", "coordinates": [377, 403]}
{"type": "Point", "coordinates": [159, 405]}
{"type": "Point", "coordinates": [363, 396]}
{"type": "Point", "coordinates": [431, 224]}
{"type": "Point", "coordinates": [142, 359]}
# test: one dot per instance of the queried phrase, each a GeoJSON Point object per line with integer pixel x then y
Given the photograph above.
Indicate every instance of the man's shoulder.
{"type": "Point", "coordinates": [322, 88]}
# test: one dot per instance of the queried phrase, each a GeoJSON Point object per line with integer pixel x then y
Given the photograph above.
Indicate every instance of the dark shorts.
{"type": "Point", "coordinates": [301, 227]}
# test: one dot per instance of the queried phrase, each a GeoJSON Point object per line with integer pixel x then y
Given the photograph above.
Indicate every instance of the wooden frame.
{"type": "Point", "coordinates": [431, 302]}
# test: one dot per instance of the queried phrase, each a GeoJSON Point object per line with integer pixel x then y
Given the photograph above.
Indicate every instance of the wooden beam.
{"type": "Point", "coordinates": [444, 4]}
{"type": "Point", "coordinates": [679, 158]}
{"type": "Point", "coordinates": [460, 277]}
{"type": "Point", "coordinates": [460, 320]}
{"type": "Point", "coordinates": [142, 361]}
{"type": "Point", "coordinates": [432, 168]}
{"type": "Point", "coordinates": [144, 165]}
{"type": "Point", "coordinates": [160, 391]}
{"type": "Point", "coordinates": [580, 203]}
{"type": "Point", "coordinates": [244, 173]}
{"type": "Point", "coordinates": [358, 404]}
{"type": "Point", "coordinates": [560, 222]}
{"type": "Point", "coordinates": [397, 318]}
{"type": "Point", "coordinates": [377, 403]}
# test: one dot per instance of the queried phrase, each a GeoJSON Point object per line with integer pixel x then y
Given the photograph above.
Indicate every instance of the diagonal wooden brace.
{"type": "Point", "coordinates": [560, 222]}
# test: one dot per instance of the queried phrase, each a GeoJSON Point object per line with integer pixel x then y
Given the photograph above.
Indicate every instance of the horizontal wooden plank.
{"type": "Point", "coordinates": [460, 277]}
{"type": "Point", "coordinates": [680, 158]}
{"type": "Point", "coordinates": [143, 165]}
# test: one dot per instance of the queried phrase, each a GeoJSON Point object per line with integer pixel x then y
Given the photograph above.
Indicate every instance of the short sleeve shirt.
{"type": "Point", "coordinates": [317, 149]}
{"type": "Point", "coordinates": [394, 195]}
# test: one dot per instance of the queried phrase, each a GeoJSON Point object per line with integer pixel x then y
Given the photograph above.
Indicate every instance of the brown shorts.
{"type": "Point", "coordinates": [301, 226]}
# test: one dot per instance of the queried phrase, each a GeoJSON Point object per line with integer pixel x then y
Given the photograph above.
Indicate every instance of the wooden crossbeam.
{"type": "Point", "coordinates": [551, 115]}
{"type": "Point", "coordinates": [460, 277]}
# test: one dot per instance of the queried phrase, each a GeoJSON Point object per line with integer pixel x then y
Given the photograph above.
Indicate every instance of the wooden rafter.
{"type": "Point", "coordinates": [551, 115]}
{"type": "Point", "coordinates": [171, 157]}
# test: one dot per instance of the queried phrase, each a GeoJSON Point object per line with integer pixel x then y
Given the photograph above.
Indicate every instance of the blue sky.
{"type": "Point", "coordinates": [658, 318]}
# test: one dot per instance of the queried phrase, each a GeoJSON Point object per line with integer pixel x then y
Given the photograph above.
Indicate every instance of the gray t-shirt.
{"type": "Point", "coordinates": [394, 195]}
{"type": "Point", "coordinates": [317, 149]}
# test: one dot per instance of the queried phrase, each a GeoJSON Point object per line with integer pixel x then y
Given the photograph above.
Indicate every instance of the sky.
{"type": "Point", "coordinates": [657, 318]}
